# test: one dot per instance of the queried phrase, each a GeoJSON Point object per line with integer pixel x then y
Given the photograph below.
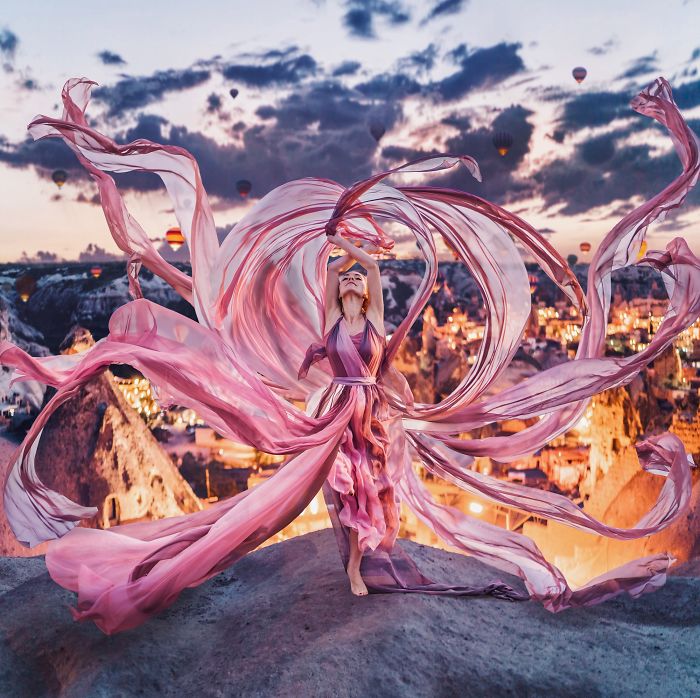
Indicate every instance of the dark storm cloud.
{"type": "Point", "coordinates": [443, 8]}
{"type": "Point", "coordinates": [110, 58]}
{"type": "Point", "coordinates": [321, 131]}
{"type": "Point", "coordinates": [284, 70]}
{"type": "Point", "coordinates": [394, 85]}
{"type": "Point", "coordinates": [500, 181]}
{"type": "Point", "coordinates": [148, 126]}
{"type": "Point", "coordinates": [459, 121]}
{"type": "Point", "coordinates": [482, 67]}
{"type": "Point", "coordinates": [640, 66]}
{"type": "Point", "coordinates": [687, 95]}
{"type": "Point", "coordinates": [604, 48]}
{"type": "Point", "coordinates": [594, 109]}
{"type": "Point", "coordinates": [346, 68]}
{"type": "Point", "coordinates": [361, 14]}
{"type": "Point", "coordinates": [602, 171]}
{"type": "Point", "coordinates": [44, 155]}
{"type": "Point", "coordinates": [134, 92]}
{"type": "Point", "coordinates": [597, 150]}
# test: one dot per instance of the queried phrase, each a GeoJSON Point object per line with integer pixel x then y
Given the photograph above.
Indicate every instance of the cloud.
{"type": "Point", "coordinates": [459, 121]}
{"type": "Point", "coordinates": [8, 47]}
{"type": "Point", "coordinates": [687, 96]}
{"type": "Point", "coordinates": [44, 155]}
{"type": "Point", "coordinates": [444, 8]}
{"type": "Point", "coordinates": [28, 84]}
{"type": "Point", "coordinates": [95, 253]}
{"type": "Point", "coordinates": [359, 19]}
{"type": "Point", "coordinates": [110, 58]}
{"type": "Point", "coordinates": [41, 257]}
{"type": "Point", "coordinates": [134, 92]}
{"type": "Point", "coordinates": [480, 68]}
{"type": "Point", "coordinates": [591, 109]}
{"type": "Point", "coordinates": [346, 68]}
{"type": "Point", "coordinates": [640, 66]}
{"type": "Point", "coordinates": [603, 170]}
{"type": "Point", "coordinates": [501, 182]}
{"type": "Point", "coordinates": [214, 103]}
{"type": "Point", "coordinates": [282, 70]}
{"type": "Point", "coordinates": [604, 48]}
{"type": "Point", "coordinates": [421, 61]}
{"type": "Point", "coordinates": [391, 85]}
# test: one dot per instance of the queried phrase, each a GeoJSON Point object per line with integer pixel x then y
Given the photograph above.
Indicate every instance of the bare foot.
{"type": "Point", "coordinates": [357, 585]}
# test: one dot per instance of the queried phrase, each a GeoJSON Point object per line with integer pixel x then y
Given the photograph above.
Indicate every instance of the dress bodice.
{"type": "Point", "coordinates": [358, 355]}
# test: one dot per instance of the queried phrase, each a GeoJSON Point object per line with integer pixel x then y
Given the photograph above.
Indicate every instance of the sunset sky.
{"type": "Point", "coordinates": [441, 76]}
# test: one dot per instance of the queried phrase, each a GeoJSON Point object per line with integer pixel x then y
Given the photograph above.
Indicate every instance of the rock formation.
{"type": "Point", "coordinates": [282, 622]}
{"type": "Point", "coordinates": [98, 451]}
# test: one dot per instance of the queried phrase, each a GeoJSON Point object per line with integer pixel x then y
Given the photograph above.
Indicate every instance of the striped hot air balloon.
{"type": "Point", "coordinates": [502, 141]}
{"type": "Point", "coordinates": [579, 74]}
{"type": "Point", "coordinates": [175, 238]}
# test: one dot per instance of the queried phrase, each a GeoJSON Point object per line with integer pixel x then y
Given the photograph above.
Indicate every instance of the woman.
{"type": "Point", "coordinates": [354, 304]}
{"type": "Point", "coordinates": [261, 314]}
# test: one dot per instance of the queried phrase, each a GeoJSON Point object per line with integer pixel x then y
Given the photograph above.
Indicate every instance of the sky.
{"type": "Point", "coordinates": [314, 75]}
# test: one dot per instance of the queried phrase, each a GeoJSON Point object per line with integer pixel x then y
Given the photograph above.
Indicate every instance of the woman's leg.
{"type": "Point", "coordinates": [357, 585]}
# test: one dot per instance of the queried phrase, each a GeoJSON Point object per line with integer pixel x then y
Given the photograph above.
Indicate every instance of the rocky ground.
{"type": "Point", "coordinates": [282, 622]}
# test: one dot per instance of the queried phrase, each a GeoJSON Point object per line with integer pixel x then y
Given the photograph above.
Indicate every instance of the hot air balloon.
{"type": "Point", "coordinates": [175, 238]}
{"type": "Point", "coordinates": [579, 74]}
{"type": "Point", "coordinates": [585, 247]}
{"type": "Point", "coordinates": [96, 271]}
{"type": "Point", "coordinates": [377, 129]}
{"type": "Point", "coordinates": [243, 186]}
{"type": "Point", "coordinates": [25, 285]}
{"type": "Point", "coordinates": [59, 177]}
{"type": "Point", "coordinates": [233, 92]}
{"type": "Point", "coordinates": [532, 279]}
{"type": "Point", "coordinates": [502, 141]}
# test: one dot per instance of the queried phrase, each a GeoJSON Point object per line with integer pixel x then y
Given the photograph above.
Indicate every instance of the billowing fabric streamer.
{"type": "Point", "coordinates": [259, 343]}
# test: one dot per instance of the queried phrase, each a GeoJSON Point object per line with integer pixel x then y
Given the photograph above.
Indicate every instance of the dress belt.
{"type": "Point", "coordinates": [354, 380]}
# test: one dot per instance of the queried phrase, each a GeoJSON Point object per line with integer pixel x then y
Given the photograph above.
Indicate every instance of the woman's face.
{"type": "Point", "coordinates": [352, 282]}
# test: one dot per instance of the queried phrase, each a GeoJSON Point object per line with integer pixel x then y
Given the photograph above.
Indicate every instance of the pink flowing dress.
{"type": "Point", "coordinates": [258, 299]}
{"type": "Point", "coordinates": [360, 474]}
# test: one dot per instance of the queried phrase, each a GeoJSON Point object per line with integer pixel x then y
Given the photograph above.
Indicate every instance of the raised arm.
{"type": "Point", "coordinates": [375, 306]}
{"type": "Point", "coordinates": [335, 268]}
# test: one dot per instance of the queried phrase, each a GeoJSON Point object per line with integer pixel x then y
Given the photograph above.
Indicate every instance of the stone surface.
{"type": "Point", "coordinates": [282, 622]}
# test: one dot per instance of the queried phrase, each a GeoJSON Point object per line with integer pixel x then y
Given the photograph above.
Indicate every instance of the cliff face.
{"type": "Point", "coordinates": [282, 622]}
{"type": "Point", "coordinates": [96, 450]}
{"type": "Point", "coordinates": [615, 428]}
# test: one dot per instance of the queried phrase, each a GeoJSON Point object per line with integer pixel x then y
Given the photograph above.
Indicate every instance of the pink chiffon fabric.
{"type": "Point", "coordinates": [258, 297]}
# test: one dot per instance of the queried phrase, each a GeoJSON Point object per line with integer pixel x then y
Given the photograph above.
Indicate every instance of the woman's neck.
{"type": "Point", "coordinates": [352, 308]}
